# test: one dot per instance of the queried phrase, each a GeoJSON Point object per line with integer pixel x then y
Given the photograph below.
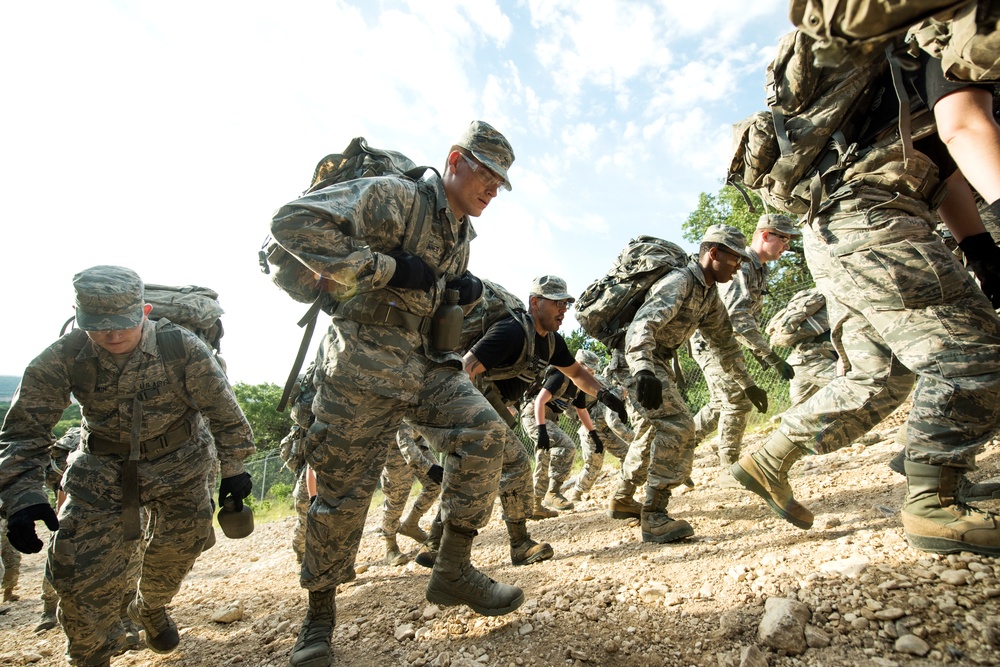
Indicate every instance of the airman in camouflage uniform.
{"type": "Point", "coordinates": [682, 301]}
{"type": "Point", "coordinates": [380, 366]}
{"type": "Point", "coordinates": [505, 362]}
{"type": "Point", "coordinates": [408, 459]}
{"type": "Point", "coordinates": [612, 434]}
{"type": "Point", "coordinates": [144, 445]}
{"type": "Point", "coordinates": [744, 299]}
{"type": "Point", "coordinates": [804, 326]}
{"type": "Point", "coordinates": [554, 462]}
{"type": "Point", "coordinates": [904, 306]}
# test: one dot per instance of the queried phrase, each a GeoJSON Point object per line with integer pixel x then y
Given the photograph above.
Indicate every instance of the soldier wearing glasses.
{"type": "Point", "coordinates": [683, 301]}
{"type": "Point", "coordinates": [744, 299]}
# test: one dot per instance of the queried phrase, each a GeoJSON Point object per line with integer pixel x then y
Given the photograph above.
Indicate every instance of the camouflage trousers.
{"type": "Point", "coordinates": [906, 309]}
{"type": "Point", "coordinates": [91, 566]}
{"type": "Point", "coordinates": [552, 466]}
{"type": "Point", "coordinates": [300, 495]}
{"type": "Point", "coordinates": [369, 379]}
{"type": "Point", "coordinates": [11, 559]}
{"type": "Point", "coordinates": [397, 482]}
{"type": "Point", "coordinates": [664, 441]}
{"type": "Point", "coordinates": [728, 407]}
{"type": "Point", "coordinates": [584, 481]}
{"type": "Point", "coordinates": [813, 371]}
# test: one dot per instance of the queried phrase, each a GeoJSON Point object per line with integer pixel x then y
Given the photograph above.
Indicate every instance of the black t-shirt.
{"type": "Point", "coordinates": [556, 381]}
{"type": "Point", "coordinates": [502, 346]}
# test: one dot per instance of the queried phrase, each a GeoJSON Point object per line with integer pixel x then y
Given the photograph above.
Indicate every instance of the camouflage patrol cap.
{"type": "Point", "coordinates": [108, 298]}
{"type": "Point", "coordinates": [489, 147]}
{"type": "Point", "coordinates": [779, 223]}
{"type": "Point", "coordinates": [552, 288]}
{"type": "Point", "coordinates": [588, 359]}
{"type": "Point", "coordinates": [730, 237]}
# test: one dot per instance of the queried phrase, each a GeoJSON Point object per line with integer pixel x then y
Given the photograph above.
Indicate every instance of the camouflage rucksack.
{"type": "Point", "coordinates": [967, 40]}
{"type": "Point", "coordinates": [801, 149]}
{"type": "Point", "coordinates": [497, 303]}
{"type": "Point", "coordinates": [195, 308]}
{"type": "Point", "coordinates": [803, 318]}
{"type": "Point", "coordinates": [860, 24]}
{"type": "Point", "coordinates": [358, 160]}
{"type": "Point", "coordinates": [607, 306]}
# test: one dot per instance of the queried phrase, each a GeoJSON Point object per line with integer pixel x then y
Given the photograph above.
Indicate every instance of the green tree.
{"type": "Point", "coordinates": [579, 340]}
{"type": "Point", "coordinates": [259, 403]}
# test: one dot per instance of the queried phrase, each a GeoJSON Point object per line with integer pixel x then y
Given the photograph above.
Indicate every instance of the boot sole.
{"type": "Point", "coordinates": [672, 536]}
{"type": "Point", "coordinates": [444, 599]}
{"type": "Point", "coordinates": [544, 554]}
{"type": "Point", "coordinates": [940, 545]}
{"type": "Point", "coordinates": [133, 613]}
{"type": "Point", "coordinates": [321, 661]}
{"type": "Point", "coordinates": [425, 560]}
{"type": "Point", "coordinates": [618, 514]}
{"type": "Point", "coordinates": [752, 485]}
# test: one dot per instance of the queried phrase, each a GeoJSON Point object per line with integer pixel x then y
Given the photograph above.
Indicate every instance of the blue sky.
{"type": "Point", "coordinates": [162, 136]}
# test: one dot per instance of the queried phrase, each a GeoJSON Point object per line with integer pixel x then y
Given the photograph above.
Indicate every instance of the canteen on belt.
{"type": "Point", "coordinates": [235, 524]}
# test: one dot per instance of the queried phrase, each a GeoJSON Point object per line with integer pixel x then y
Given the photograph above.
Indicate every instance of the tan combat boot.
{"type": "Point", "coordinates": [623, 505]}
{"type": "Point", "coordinates": [540, 511]}
{"type": "Point", "coordinates": [656, 524]}
{"type": "Point", "coordinates": [428, 552]}
{"type": "Point", "coordinates": [575, 495]}
{"type": "Point", "coordinates": [523, 549]}
{"type": "Point", "coordinates": [161, 632]}
{"type": "Point", "coordinates": [935, 520]}
{"type": "Point", "coordinates": [312, 648]}
{"type": "Point", "coordinates": [48, 619]}
{"type": "Point", "coordinates": [393, 556]}
{"type": "Point", "coordinates": [455, 581]}
{"type": "Point", "coordinates": [765, 472]}
{"type": "Point", "coordinates": [558, 501]}
{"type": "Point", "coordinates": [410, 527]}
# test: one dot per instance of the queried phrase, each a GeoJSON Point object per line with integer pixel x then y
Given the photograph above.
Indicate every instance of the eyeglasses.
{"type": "Point", "coordinates": [561, 304]}
{"type": "Point", "coordinates": [738, 258]}
{"type": "Point", "coordinates": [486, 177]}
{"type": "Point", "coordinates": [785, 239]}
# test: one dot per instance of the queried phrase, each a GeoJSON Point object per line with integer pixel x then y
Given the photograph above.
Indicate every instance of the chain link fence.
{"type": "Point", "coordinates": [271, 479]}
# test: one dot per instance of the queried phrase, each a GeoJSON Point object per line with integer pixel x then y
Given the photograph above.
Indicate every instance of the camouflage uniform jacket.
{"type": "Point", "coordinates": [675, 307]}
{"type": "Point", "coordinates": [744, 299]}
{"type": "Point", "coordinates": [346, 232]}
{"type": "Point", "coordinates": [45, 390]}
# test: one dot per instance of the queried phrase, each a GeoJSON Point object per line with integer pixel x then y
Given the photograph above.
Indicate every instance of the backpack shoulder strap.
{"type": "Point", "coordinates": [170, 341]}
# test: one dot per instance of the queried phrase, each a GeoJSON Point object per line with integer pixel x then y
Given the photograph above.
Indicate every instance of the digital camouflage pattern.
{"type": "Point", "coordinates": [804, 326]}
{"type": "Point", "coordinates": [88, 558]}
{"type": "Point", "coordinates": [372, 376]}
{"type": "Point", "coordinates": [905, 307]}
{"type": "Point", "coordinates": [489, 147]}
{"type": "Point", "coordinates": [676, 305]}
{"type": "Point", "coordinates": [406, 460]}
{"type": "Point", "coordinates": [108, 297]}
{"type": "Point", "coordinates": [728, 407]}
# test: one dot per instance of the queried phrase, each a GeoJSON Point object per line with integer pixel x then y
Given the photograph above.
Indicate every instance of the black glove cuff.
{"type": "Point", "coordinates": [978, 246]}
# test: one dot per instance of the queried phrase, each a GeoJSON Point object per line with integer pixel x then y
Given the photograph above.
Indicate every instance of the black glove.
{"type": "Point", "coordinates": [784, 369]}
{"type": "Point", "coordinates": [763, 364]}
{"type": "Point", "coordinates": [650, 390]}
{"type": "Point", "coordinates": [983, 257]}
{"type": "Point", "coordinates": [470, 288]}
{"type": "Point", "coordinates": [233, 490]}
{"type": "Point", "coordinates": [543, 438]}
{"type": "Point", "coordinates": [21, 527]}
{"type": "Point", "coordinates": [596, 439]}
{"type": "Point", "coordinates": [436, 473]}
{"type": "Point", "coordinates": [605, 396]}
{"type": "Point", "coordinates": [412, 273]}
{"type": "Point", "coordinates": [757, 396]}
